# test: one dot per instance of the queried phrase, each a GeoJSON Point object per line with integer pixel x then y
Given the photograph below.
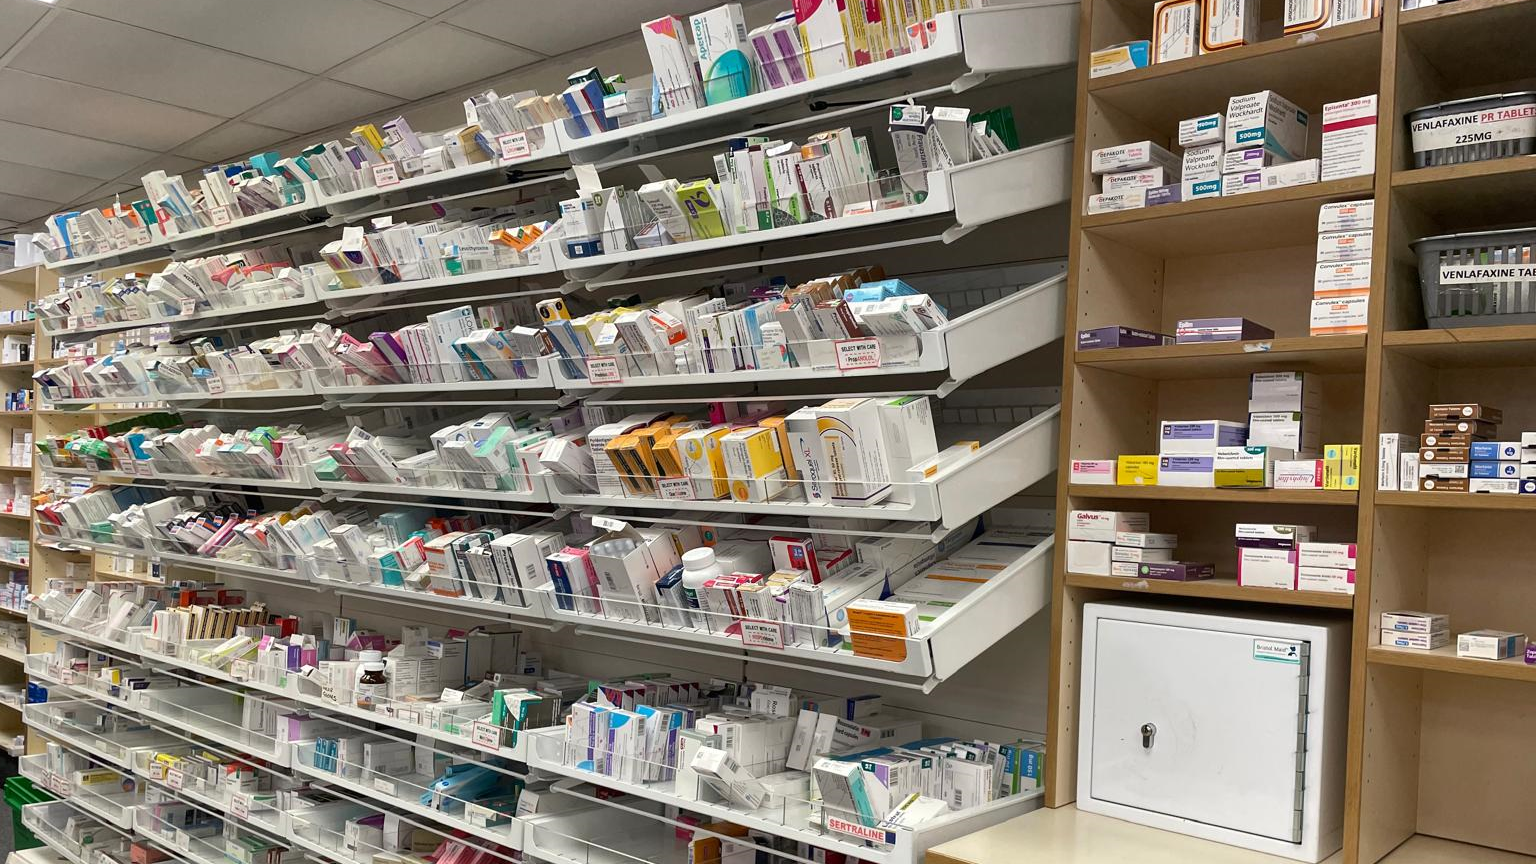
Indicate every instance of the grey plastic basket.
{"type": "Point", "coordinates": [1481, 278]}
{"type": "Point", "coordinates": [1473, 121]}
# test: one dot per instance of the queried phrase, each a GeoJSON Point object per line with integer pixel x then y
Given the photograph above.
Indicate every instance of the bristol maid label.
{"type": "Point", "coordinates": [1277, 650]}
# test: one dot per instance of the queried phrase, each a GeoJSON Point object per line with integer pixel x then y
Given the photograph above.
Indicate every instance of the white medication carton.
{"type": "Point", "coordinates": [1131, 157]}
{"type": "Point", "coordinates": [1349, 137]}
{"type": "Point", "coordinates": [1228, 24]}
{"type": "Point", "coordinates": [1346, 216]}
{"type": "Point", "coordinates": [1407, 621]}
{"type": "Point", "coordinates": [1267, 568]}
{"type": "Point", "coordinates": [1329, 580]}
{"type": "Point", "coordinates": [1418, 641]}
{"type": "Point", "coordinates": [1093, 472]}
{"type": "Point", "coordinates": [1089, 557]}
{"type": "Point", "coordinates": [1103, 525]}
{"type": "Point", "coordinates": [1345, 245]}
{"type": "Point", "coordinates": [1284, 391]}
{"type": "Point", "coordinates": [1266, 119]}
{"type": "Point", "coordinates": [1175, 30]}
{"type": "Point", "coordinates": [1205, 129]}
{"type": "Point", "coordinates": [1490, 644]}
{"type": "Point", "coordinates": [1203, 162]}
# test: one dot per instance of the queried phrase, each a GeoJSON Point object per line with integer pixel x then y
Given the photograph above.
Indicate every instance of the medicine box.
{"type": "Point", "coordinates": [1330, 580]}
{"type": "Point", "coordinates": [1089, 557]}
{"type": "Point", "coordinates": [1131, 553]}
{"type": "Point", "coordinates": [1199, 437]}
{"type": "Point", "coordinates": [1341, 555]}
{"type": "Point", "coordinates": [1339, 314]}
{"type": "Point", "coordinates": [1119, 58]}
{"type": "Point", "coordinates": [1485, 486]}
{"type": "Point", "coordinates": [1347, 216]}
{"type": "Point", "coordinates": [1444, 484]}
{"type": "Point", "coordinates": [1175, 30]}
{"type": "Point", "coordinates": [1349, 138]}
{"type": "Point", "coordinates": [1298, 173]}
{"type": "Point", "coordinates": [1229, 24]}
{"type": "Point", "coordinates": [1198, 472]}
{"type": "Point", "coordinates": [1490, 644]}
{"type": "Point", "coordinates": [1119, 337]}
{"type": "Point", "coordinates": [1199, 131]}
{"type": "Point", "coordinates": [1267, 119]}
{"type": "Point", "coordinates": [1093, 472]}
{"type": "Point", "coordinates": [1136, 471]}
{"type": "Point", "coordinates": [1194, 190]}
{"type": "Point", "coordinates": [1494, 471]}
{"type": "Point", "coordinates": [1341, 278]}
{"type": "Point", "coordinates": [1407, 621]}
{"type": "Point", "coordinates": [1389, 451]}
{"type": "Point", "coordinates": [1242, 183]}
{"type": "Point", "coordinates": [1265, 535]}
{"type": "Point", "coordinates": [1102, 525]}
{"type": "Point", "coordinates": [1130, 157]}
{"type": "Point", "coordinates": [1267, 568]}
{"type": "Point", "coordinates": [1419, 641]}
{"type": "Point", "coordinates": [1290, 430]}
{"type": "Point", "coordinates": [1146, 540]}
{"type": "Point", "coordinates": [1248, 467]}
{"type": "Point", "coordinates": [1191, 330]}
{"type": "Point", "coordinates": [1466, 411]}
{"type": "Point", "coordinates": [1299, 474]}
{"type": "Point", "coordinates": [1130, 199]}
{"type": "Point", "coordinates": [1284, 391]}
{"type": "Point", "coordinates": [1344, 245]}
{"type": "Point", "coordinates": [1143, 178]}
{"type": "Point", "coordinates": [1203, 162]}
{"type": "Point", "coordinates": [1173, 193]}
{"type": "Point", "coordinates": [1247, 159]}
{"type": "Point", "coordinates": [1494, 451]}
{"type": "Point", "coordinates": [1177, 571]}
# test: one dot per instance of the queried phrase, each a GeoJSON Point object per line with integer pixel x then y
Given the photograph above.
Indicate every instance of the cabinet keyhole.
{"type": "Point", "coordinates": [1148, 732]}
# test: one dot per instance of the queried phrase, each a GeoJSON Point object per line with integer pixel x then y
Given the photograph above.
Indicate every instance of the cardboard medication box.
{"type": "Point", "coordinates": [1329, 580]}
{"type": "Point", "coordinates": [1198, 131]}
{"type": "Point", "coordinates": [1349, 138]}
{"type": "Point", "coordinates": [1490, 644]}
{"type": "Point", "coordinates": [1267, 119]}
{"type": "Point", "coordinates": [1136, 471]}
{"type": "Point", "coordinates": [1089, 557]}
{"type": "Point", "coordinates": [1093, 472]}
{"type": "Point", "coordinates": [1119, 58]}
{"type": "Point", "coordinates": [1266, 568]}
{"type": "Point", "coordinates": [1407, 621]}
{"type": "Point", "coordinates": [1102, 525]}
{"type": "Point", "coordinates": [1299, 474]}
{"type": "Point", "coordinates": [1419, 641]}
{"type": "Point", "coordinates": [1284, 391]}
{"type": "Point", "coordinates": [1131, 157]}
{"type": "Point", "coordinates": [1198, 472]}
{"type": "Point", "coordinates": [1199, 437]}
{"type": "Point", "coordinates": [1248, 467]}
{"type": "Point", "coordinates": [1347, 216]}
{"type": "Point", "coordinates": [1175, 30]}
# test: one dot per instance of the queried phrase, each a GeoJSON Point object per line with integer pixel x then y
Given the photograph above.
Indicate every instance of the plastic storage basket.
{"type": "Point", "coordinates": [1473, 130]}
{"type": "Point", "coordinates": [20, 792]}
{"type": "Point", "coordinates": [1487, 277]}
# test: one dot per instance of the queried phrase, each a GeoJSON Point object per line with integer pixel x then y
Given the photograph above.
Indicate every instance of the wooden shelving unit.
{"type": "Point", "coordinates": [1435, 759]}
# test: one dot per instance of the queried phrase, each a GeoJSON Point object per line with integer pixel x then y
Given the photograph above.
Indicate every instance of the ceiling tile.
{"type": "Point", "coordinates": [152, 65]}
{"type": "Point", "coordinates": [322, 35]}
{"type": "Point", "coordinates": [174, 165]}
{"type": "Point", "coordinates": [233, 140]}
{"type": "Point", "coordinates": [36, 182]}
{"type": "Point", "coordinates": [19, 208]}
{"type": "Point", "coordinates": [82, 110]}
{"type": "Point", "coordinates": [60, 151]}
{"type": "Point", "coordinates": [432, 60]}
{"type": "Point", "coordinates": [319, 104]}
{"type": "Point", "coordinates": [554, 28]}
{"type": "Point", "coordinates": [16, 18]}
{"type": "Point", "coordinates": [424, 7]}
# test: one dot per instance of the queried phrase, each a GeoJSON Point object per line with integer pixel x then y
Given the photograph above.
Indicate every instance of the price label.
{"type": "Point", "coordinates": [514, 145]}
{"type": "Point", "coordinates": [386, 174]}
{"type": "Point", "coordinates": [857, 354]}
{"type": "Point", "coordinates": [241, 669]}
{"type": "Point", "coordinates": [175, 779]}
{"type": "Point", "coordinates": [57, 783]}
{"type": "Point", "coordinates": [485, 735]}
{"type": "Point", "coordinates": [604, 370]}
{"type": "Point", "coordinates": [134, 313]}
{"type": "Point", "coordinates": [72, 322]}
{"type": "Point", "coordinates": [220, 216]}
{"type": "Point", "coordinates": [763, 634]}
{"type": "Point", "coordinates": [411, 165]}
{"type": "Point", "coordinates": [385, 785]}
{"type": "Point", "coordinates": [119, 244]}
{"type": "Point", "coordinates": [188, 305]}
{"type": "Point", "coordinates": [215, 385]}
{"type": "Point", "coordinates": [674, 489]}
{"type": "Point", "coordinates": [240, 805]}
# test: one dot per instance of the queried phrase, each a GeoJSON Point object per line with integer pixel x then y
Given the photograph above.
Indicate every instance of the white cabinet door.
{"type": "Point", "coordinates": [1201, 725]}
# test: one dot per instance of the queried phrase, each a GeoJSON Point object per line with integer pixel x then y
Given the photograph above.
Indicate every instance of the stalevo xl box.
{"type": "Point", "coordinates": [854, 447]}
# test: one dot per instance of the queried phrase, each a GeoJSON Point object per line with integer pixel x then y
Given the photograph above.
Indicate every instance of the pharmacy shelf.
{"type": "Point", "coordinates": [979, 340]}
{"type": "Point", "coordinates": [47, 822]}
{"type": "Point", "coordinates": [791, 820]}
{"type": "Point", "coordinates": [116, 747]}
{"type": "Point", "coordinates": [970, 195]}
{"type": "Point", "coordinates": [1467, 347]}
{"type": "Point", "coordinates": [15, 655]}
{"type": "Point", "coordinates": [488, 609]}
{"type": "Point", "coordinates": [1287, 64]}
{"type": "Point", "coordinates": [9, 467]}
{"type": "Point", "coordinates": [1000, 469]}
{"type": "Point", "coordinates": [1321, 354]}
{"type": "Point", "coordinates": [76, 327]}
{"type": "Point", "coordinates": [1009, 598]}
{"type": "Point", "coordinates": [1423, 849]}
{"type": "Point", "coordinates": [20, 364]}
{"type": "Point", "coordinates": [605, 835]}
{"type": "Point", "coordinates": [543, 380]}
{"type": "Point", "coordinates": [1473, 195]}
{"type": "Point", "coordinates": [257, 483]}
{"type": "Point", "coordinates": [1476, 16]}
{"type": "Point", "coordinates": [1213, 589]}
{"type": "Point", "coordinates": [14, 564]}
{"type": "Point", "coordinates": [964, 46]}
{"type": "Point", "coordinates": [24, 517]}
{"type": "Point", "coordinates": [1272, 218]}
{"type": "Point", "coordinates": [1445, 660]}
{"type": "Point", "coordinates": [1331, 497]}
{"type": "Point", "coordinates": [1456, 501]}
{"type": "Point", "coordinates": [287, 687]}
{"type": "Point", "coordinates": [225, 805]}
{"type": "Point", "coordinates": [12, 610]}
{"type": "Point", "coordinates": [18, 328]}
{"type": "Point", "coordinates": [383, 791]}
{"type": "Point", "coordinates": [543, 265]}
{"type": "Point", "coordinates": [212, 565]}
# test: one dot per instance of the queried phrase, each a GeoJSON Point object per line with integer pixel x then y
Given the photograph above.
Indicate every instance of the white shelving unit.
{"type": "Point", "coordinates": [1018, 448]}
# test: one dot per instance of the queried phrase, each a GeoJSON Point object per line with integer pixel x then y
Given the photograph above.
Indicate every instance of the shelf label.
{"type": "Point", "coordinates": [241, 669]}
{"type": "Point", "coordinates": [87, 320]}
{"type": "Point", "coordinates": [604, 370]}
{"type": "Point", "coordinates": [57, 783]}
{"type": "Point", "coordinates": [386, 174]}
{"type": "Point", "coordinates": [514, 145]}
{"type": "Point", "coordinates": [215, 385]}
{"type": "Point", "coordinates": [385, 785]}
{"type": "Point", "coordinates": [411, 165]}
{"type": "Point", "coordinates": [72, 322]}
{"type": "Point", "coordinates": [674, 489]}
{"type": "Point", "coordinates": [133, 313]}
{"type": "Point", "coordinates": [762, 634]}
{"type": "Point", "coordinates": [874, 835]}
{"type": "Point", "coordinates": [220, 216]}
{"type": "Point", "coordinates": [240, 805]}
{"type": "Point", "coordinates": [175, 779]}
{"type": "Point", "coordinates": [188, 305]}
{"type": "Point", "coordinates": [857, 354]}
{"type": "Point", "coordinates": [485, 735]}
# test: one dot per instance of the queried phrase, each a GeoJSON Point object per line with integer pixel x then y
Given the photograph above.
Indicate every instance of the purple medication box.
{"type": "Point", "coordinates": [1118, 337]}
{"type": "Point", "coordinates": [1176, 571]}
{"type": "Point", "coordinates": [1170, 194]}
{"type": "Point", "coordinates": [1221, 330]}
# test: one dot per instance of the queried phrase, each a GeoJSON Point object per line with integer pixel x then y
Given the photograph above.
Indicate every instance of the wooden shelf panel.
{"type": "Point", "coordinates": [1258, 220]}
{"type": "Point", "coordinates": [1467, 347]}
{"type": "Point", "coordinates": [1330, 497]}
{"type": "Point", "coordinates": [1473, 196]}
{"type": "Point", "coordinates": [1326, 66]}
{"type": "Point", "coordinates": [1216, 589]}
{"type": "Point", "coordinates": [1501, 30]}
{"type": "Point", "coordinates": [1455, 501]}
{"type": "Point", "coordinates": [1322, 354]}
{"type": "Point", "coordinates": [1420, 849]}
{"type": "Point", "coordinates": [1445, 660]}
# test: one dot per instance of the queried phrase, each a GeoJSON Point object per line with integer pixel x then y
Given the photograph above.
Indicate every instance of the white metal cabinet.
{"type": "Point", "coordinates": [1228, 728]}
